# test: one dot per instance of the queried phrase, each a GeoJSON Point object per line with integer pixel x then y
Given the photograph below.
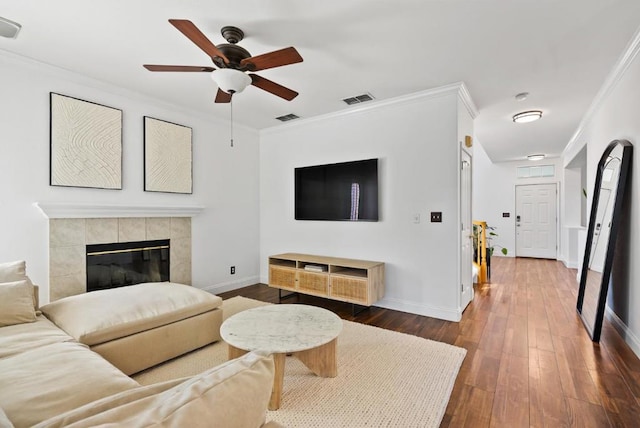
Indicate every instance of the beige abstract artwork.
{"type": "Point", "coordinates": [167, 157]}
{"type": "Point", "coordinates": [86, 144]}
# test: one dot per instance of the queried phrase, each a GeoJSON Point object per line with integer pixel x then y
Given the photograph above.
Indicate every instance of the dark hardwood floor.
{"type": "Point", "coordinates": [530, 362]}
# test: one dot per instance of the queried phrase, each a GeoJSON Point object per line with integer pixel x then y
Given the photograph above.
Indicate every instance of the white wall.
{"type": "Point", "coordinates": [494, 193]}
{"type": "Point", "coordinates": [571, 205]}
{"type": "Point", "coordinates": [416, 142]}
{"type": "Point", "coordinates": [225, 179]}
{"type": "Point", "coordinates": [615, 116]}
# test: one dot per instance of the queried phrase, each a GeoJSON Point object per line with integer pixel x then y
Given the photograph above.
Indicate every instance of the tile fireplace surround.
{"type": "Point", "coordinates": [74, 225]}
{"type": "Point", "coordinates": [68, 238]}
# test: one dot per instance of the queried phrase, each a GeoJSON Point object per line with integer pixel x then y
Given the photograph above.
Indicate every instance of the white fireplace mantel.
{"type": "Point", "coordinates": [83, 210]}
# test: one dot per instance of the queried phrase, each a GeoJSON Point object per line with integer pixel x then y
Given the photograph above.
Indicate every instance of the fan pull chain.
{"type": "Point", "coordinates": [231, 121]}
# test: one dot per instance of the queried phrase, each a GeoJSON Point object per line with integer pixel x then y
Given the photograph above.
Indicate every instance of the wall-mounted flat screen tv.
{"type": "Point", "coordinates": [345, 191]}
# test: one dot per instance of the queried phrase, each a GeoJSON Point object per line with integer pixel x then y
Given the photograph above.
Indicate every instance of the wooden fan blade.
{"type": "Point", "coordinates": [153, 67]}
{"type": "Point", "coordinates": [273, 87]}
{"type": "Point", "coordinates": [192, 32]}
{"type": "Point", "coordinates": [223, 97]}
{"type": "Point", "coordinates": [273, 59]}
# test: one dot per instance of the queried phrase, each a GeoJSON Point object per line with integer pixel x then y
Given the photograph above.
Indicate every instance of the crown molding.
{"type": "Point", "coordinates": [616, 74]}
{"type": "Point", "coordinates": [467, 101]}
{"type": "Point", "coordinates": [91, 82]}
{"type": "Point", "coordinates": [458, 88]}
{"type": "Point", "coordinates": [80, 210]}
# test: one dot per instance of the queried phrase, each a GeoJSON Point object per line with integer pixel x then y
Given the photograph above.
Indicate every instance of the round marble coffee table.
{"type": "Point", "coordinates": [306, 332]}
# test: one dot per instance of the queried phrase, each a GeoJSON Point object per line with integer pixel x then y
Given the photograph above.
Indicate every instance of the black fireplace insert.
{"type": "Point", "coordinates": [127, 263]}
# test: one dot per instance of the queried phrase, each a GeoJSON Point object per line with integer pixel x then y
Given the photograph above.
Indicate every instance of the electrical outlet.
{"type": "Point", "coordinates": [436, 217]}
{"type": "Point", "coordinates": [233, 270]}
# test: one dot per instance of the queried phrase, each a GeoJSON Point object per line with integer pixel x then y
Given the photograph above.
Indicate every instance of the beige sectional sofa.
{"type": "Point", "coordinates": [49, 378]}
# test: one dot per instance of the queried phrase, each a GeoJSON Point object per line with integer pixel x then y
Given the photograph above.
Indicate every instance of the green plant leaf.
{"type": "Point", "coordinates": [504, 251]}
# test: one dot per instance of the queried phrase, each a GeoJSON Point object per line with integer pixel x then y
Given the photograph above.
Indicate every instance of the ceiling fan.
{"type": "Point", "coordinates": [233, 62]}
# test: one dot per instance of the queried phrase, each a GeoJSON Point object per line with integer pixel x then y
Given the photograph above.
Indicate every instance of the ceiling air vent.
{"type": "Point", "coordinates": [358, 99]}
{"type": "Point", "coordinates": [287, 117]}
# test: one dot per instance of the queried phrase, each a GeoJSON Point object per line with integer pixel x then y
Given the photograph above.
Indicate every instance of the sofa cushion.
{"type": "Point", "coordinates": [100, 316]}
{"type": "Point", "coordinates": [38, 384]}
{"type": "Point", "coordinates": [16, 302]}
{"type": "Point", "coordinates": [233, 394]}
{"type": "Point", "coordinates": [16, 271]}
{"type": "Point", "coordinates": [13, 271]}
{"type": "Point", "coordinates": [18, 338]}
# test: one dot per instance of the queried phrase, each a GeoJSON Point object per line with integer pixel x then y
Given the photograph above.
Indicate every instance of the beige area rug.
{"type": "Point", "coordinates": [384, 378]}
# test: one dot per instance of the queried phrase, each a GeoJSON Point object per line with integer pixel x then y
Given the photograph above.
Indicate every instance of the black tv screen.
{"type": "Point", "coordinates": [345, 191]}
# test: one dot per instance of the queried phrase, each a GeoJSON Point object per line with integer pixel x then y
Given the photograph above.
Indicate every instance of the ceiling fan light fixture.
{"type": "Point", "coordinates": [231, 80]}
{"type": "Point", "coordinates": [536, 157]}
{"type": "Point", "coordinates": [527, 116]}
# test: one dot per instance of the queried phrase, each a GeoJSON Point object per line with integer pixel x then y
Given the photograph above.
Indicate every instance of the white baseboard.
{"type": "Point", "coordinates": [232, 285]}
{"type": "Point", "coordinates": [624, 331]}
{"type": "Point", "coordinates": [414, 308]}
{"type": "Point", "coordinates": [570, 264]}
{"type": "Point", "coordinates": [419, 309]}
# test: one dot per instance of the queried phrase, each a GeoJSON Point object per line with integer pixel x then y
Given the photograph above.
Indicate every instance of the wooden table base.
{"type": "Point", "coordinates": [321, 360]}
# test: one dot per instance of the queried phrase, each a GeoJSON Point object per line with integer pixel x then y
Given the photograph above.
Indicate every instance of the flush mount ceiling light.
{"type": "Point", "coordinates": [522, 96]}
{"type": "Point", "coordinates": [527, 116]}
{"type": "Point", "coordinates": [536, 157]}
{"type": "Point", "coordinates": [8, 28]}
{"type": "Point", "coordinates": [230, 80]}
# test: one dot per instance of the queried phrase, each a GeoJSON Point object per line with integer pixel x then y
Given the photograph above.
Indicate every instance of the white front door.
{"type": "Point", "coordinates": [536, 221]}
{"type": "Point", "coordinates": [466, 247]}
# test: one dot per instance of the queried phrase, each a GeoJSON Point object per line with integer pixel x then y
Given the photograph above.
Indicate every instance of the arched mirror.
{"type": "Point", "coordinates": [608, 195]}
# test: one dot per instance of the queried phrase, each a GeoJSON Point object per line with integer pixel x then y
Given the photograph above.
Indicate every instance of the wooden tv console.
{"type": "Point", "coordinates": [355, 281]}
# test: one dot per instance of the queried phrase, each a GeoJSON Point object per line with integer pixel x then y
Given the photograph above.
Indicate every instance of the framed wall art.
{"type": "Point", "coordinates": [85, 144]}
{"type": "Point", "coordinates": [168, 157]}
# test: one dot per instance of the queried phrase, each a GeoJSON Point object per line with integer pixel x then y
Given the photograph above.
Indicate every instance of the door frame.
{"type": "Point", "coordinates": [515, 204]}
{"type": "Point", "coordinates": [463, 303]}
